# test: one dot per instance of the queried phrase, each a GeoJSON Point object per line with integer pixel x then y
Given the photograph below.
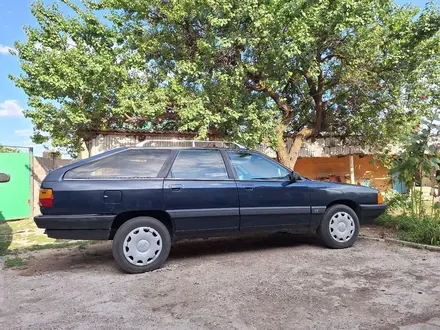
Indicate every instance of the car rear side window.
{"type": "Point", "coordinates": [132, 163]}
{"type": "Point", "coordinates": [199, 164]}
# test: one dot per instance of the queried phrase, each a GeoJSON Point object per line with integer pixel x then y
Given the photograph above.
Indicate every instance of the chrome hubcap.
{"type": "Point", "coordinates": [341, 227]}
{"type": "Point", "coordinates": [142, 246]}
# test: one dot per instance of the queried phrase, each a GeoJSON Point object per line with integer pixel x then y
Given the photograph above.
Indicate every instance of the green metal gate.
{"type": "Point", "coordinates": [15, 195]}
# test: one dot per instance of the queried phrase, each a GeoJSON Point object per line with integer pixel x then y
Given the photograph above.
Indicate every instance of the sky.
{"type": "Point", "coordinates": [15, 129]}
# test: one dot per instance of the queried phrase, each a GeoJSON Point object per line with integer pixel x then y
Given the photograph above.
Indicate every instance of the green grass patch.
{"type": "Point", "coordinates": [25, 235]}
{"type": "Point", "coordinates": [424, 230]}
{"type": "Point", "coordinates": [15, 262]}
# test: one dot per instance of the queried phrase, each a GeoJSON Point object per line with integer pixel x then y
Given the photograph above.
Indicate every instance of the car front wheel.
{"type": "Point", "coordinates": [339, 227]}
{"type": "Point", "coordinates": [141, 244]}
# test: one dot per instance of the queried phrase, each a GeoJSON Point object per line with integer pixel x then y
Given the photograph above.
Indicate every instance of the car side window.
{"type": "Point", "coordinates": [132, 163]}
{"type": "Point", "coordinates": [199, 164]}
{"type": "Point", "coordinates": [253, 166]}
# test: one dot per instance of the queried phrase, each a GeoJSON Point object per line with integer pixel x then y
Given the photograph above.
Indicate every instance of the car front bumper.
{"type": "Point", "coordinates": [369, 212]}
{"type": "Point", "coordinates": [84, 226]}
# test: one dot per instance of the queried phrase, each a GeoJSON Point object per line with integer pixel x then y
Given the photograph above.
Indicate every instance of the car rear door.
{"type": "Point", "coordinates": [200, 194]}
{"type": "Point", "coordinates": [128, 180]}
{"type": "Point", "coordinates": [267, 198]}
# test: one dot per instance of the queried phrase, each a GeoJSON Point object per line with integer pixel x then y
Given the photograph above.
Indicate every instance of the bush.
{"type": "Point", "coordinates": [410, 203]}
{"type": "Point", "coordinates": [424, 230]}
{"type": "Point", "coordinates": [398, 203]}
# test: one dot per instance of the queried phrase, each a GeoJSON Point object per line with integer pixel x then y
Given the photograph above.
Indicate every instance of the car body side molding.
{"type": "Point", "coordinates": [213, 212]}
{"type": "Point", "coordinates": [275, 210]}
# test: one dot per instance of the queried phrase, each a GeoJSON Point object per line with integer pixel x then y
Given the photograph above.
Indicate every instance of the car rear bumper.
{"type": "Point", "coordinates": [369, 212]}
{"type": "Point", "coordinates": [84, 226]}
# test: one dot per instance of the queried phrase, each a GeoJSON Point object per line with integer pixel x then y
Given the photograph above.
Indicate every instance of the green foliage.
{"type": "Point", "coordinates": [413, 227]}
{"type": "Point", "coordinates": [239, 68]}
{"type": "Point", "coordinates": [419, 158]}
{"type": "Point", "coordinates": [70, 73]}
{"type": "Point", "coordinates": [244, 67]}
{"type": "Point", "coordinates": [423, 230]}
{"type": "Point", "coordinates": [8, 150]}
{"type": "Point", "coordinates": [15, 262]}
{"type": "Point", "coordinates": [398, 203]}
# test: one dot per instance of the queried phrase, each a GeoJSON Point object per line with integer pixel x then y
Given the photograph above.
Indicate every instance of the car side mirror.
{"type": "Point", "coordinates": [293, 176]}
{"type": "Point", "coordinates": [4, 177]}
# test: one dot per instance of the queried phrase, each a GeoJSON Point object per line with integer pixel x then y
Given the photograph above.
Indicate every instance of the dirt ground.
{"type": "Point", "coordinates": [273, 282]}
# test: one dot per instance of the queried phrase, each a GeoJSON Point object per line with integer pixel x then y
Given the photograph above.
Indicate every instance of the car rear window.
{"type": "Point", "coordinates": [199, 164]}
{"type": "Point", "coordinates": [131, 163]}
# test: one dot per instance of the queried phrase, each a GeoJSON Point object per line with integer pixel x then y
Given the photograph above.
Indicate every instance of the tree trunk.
{"type": "Point", "coordinates": [86, 149]}
{"type": "Point", "coordinates": [288, 151]}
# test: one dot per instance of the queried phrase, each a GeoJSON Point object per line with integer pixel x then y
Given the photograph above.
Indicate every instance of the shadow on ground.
{"type": "Point", "coordinates": [98, 257]}
{"type": "Point", "coordinates": [188, 249]}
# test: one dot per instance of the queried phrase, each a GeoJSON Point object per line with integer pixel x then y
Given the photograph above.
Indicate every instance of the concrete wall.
{"type": "Point", "coordinates": [321, 168]}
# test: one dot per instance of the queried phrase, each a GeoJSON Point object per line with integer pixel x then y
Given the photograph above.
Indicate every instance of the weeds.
{"type": "Point", "coordinates": [15, 262]}
{"type": "Point", "coordinates": [423, 230]}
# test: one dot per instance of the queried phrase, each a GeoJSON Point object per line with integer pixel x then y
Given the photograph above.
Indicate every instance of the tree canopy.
{"type": "Point", "coordinates": [70, 73]}
{"type": "Point", "coordinates": [256, 71]}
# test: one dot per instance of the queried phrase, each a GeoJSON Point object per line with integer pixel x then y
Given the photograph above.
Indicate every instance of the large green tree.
{"type": "Point", "coordinates": [283, 71]}
{"type": "Point", "coordinates": [273, 71]}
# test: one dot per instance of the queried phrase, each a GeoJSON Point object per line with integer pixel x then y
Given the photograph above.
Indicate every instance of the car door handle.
{"type": "Point", "coordinates": [176, 187]}
{"type": "Point", "coordinates": [249, 187]}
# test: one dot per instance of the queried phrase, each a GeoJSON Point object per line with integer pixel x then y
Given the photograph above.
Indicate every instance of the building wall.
{"type": "Point", "coordinates": [321, 168]}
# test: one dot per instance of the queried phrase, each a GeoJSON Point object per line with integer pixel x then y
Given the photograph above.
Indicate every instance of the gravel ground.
{"type": "Point", "coordinates": [275, 282]}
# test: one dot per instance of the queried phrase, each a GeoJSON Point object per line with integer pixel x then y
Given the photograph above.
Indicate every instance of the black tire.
{"type": "Point", "coordinates": [330, 239]}
{"type": "Point", "coordinates": [126, 229]}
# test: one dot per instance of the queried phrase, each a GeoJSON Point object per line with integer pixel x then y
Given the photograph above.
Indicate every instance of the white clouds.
{"type": "Point", "coordinates": [10, 108]}
{"type": "Point", "coordinates": [5, 50]}
{"type": "Point", "coordinates": [23, 132]}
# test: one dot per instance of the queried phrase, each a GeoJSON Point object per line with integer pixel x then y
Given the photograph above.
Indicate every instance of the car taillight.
{"type": "Point", "coordinates": [46, 197]}
{"type": "Point", "coordinates": [379, 198]}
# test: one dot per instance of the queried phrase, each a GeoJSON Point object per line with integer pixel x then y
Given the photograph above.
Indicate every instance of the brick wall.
{"type": "Point", "coordinates": [320, 168]}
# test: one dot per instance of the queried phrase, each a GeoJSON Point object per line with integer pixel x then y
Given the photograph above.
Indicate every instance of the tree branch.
{"type": "Point", "coordinates": [259, 86]}
{"type": "Point", "coordinates": [312, 86]}
{"type": "Point", "coordinates": [329, 57]}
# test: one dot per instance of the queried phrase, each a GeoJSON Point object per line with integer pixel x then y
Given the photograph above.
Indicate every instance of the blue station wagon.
{"type": "Point", "coordinates": [143, 198]}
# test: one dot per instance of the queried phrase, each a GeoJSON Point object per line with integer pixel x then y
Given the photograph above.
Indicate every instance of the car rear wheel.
{"type": "Point", "coordinates": [339, 227]}
{"type": "Point", "coordinates": [141, 244]}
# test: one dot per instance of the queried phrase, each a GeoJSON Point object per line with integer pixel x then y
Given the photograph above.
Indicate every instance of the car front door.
{"type": "Point", "coordinates": [267, 197]}
{"type": "Point", "coordinates": [200, 194]}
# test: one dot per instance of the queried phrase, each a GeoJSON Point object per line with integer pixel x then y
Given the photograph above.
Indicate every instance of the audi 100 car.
{"type": "Point", "coordinates": [143, 198]}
